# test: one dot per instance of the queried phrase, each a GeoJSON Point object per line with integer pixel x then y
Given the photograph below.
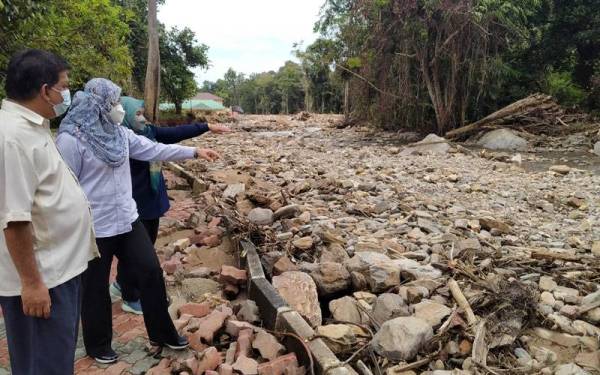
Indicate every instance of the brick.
{"type": "Point", "coordinates": [172, 265]}
{"type": "Point", "coordinates": [246, 366]}
{"type": "Point", "coordinates": [233, 327]}
{"type": "Point", "coordinates": [84, 364]}
{"type": "Point", "coordinates": [267, 345]}
{"type": "Point", "coordinates": [197, 310]}
{"type": "Point", "coordinates": [211, 373]}
{"type": "Point", "coordinates": [232, 275]}
{"type": "Point", "coordinates": [211, 324]}
{"type": "Point", "coordinates": [215, 222]}
{"type": "Point", "coordinates": [279, 365]}
{"type": "Point", "coordinates": [210, 359]}
{"type": "Point", "coordinates": [244, 343]}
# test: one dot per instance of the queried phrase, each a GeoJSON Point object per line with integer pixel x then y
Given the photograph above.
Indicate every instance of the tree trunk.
{"type": "Point", "coordinates": [178, 107]}
{"type": "Point", "coordinates": [346, 94]}
{"type": "Point", "coordinates": [152, 85]}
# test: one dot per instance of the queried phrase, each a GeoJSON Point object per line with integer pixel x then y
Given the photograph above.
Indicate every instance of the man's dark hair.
{"type": "Point", "coordinates": [30, 69]}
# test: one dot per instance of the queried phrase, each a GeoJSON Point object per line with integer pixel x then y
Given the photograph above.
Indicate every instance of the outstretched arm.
{"type": "Point", "coordinates": [179, 133]}
{"type": "Point", "coordinates": [141, 148]}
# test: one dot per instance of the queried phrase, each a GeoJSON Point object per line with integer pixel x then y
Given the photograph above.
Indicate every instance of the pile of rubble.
{"type": "Point", "coordinates": [426, 259]}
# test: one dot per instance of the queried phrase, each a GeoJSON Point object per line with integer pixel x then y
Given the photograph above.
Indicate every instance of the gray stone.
{"type": "Point", "coordinates": [261, 216]}
{"type": "Point", "coordinates": [362, 260]}
{"type": "Point", "coordinates": [503, 139]}
{"type": "Point", "coordinates": [287, 212]}
{"type": "Point", "coordinates": [570, 369]}
{"type": "Point", "coordinates": [345, 309]}
{"type": "Point", "coordinates": [547, 283]}
{"type": "Point", "coordinates": [233, 190]}
{"type": "Point", "coordinates": [414, 270]}
{"type": "Point", "coordinates": [400, 339]}
{"type": "Point", "coordinates": [195, 288]}
{"type": "Point", "coordinates": [432, 312]}
{"type": "Point", "coordinates": [430, 144]}
{"type": "Point", "coordinates": [382, 277]}
{"type": "Point", "coordinates": [389, 306]}
{"type": "Point", "coordinates": [597, 148]}
{"type": "Point", "coordinates": [248, 312]}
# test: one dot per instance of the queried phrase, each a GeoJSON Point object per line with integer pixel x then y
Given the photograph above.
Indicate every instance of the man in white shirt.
{"type": "Point", "coordinates": [47, 238]}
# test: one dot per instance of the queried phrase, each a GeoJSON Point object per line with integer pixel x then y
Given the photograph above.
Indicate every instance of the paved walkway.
{"type": "Point", "coordinates": [129, 341]}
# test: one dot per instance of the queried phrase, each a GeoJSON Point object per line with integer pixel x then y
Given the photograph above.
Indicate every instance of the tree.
{"type": "Point", "coordinates": [180, 51]}
{"type": "Point", "coordinates": [90, 34]}
{"type": "Point", "coordinates": [423, 61]}
{"type": "Point", "coordinates": [289, 83]}
{"type": "Point", "coordinates": [152, 85]}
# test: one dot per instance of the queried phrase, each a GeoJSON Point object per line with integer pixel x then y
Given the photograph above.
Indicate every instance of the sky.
{"type": "Point", "coordinates": [249, 36]}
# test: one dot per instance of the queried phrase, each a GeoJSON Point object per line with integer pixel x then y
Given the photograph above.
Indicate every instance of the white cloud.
{"type": "Point", "coordinates": [246, 35]}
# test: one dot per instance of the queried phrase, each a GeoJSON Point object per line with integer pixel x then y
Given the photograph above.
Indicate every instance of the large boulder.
{"type": "Point", "coordinates": [502, 139]}
{"type": "Point", "coordinates": [300, 291]}
{"type": "Point", "coordinates": [401, 339]}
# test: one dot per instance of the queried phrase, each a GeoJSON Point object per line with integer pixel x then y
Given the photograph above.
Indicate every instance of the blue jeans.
{"type": "Point", "coordinates": [40, 346]}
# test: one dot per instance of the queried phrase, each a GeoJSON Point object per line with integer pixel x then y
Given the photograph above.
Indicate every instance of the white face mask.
{"type": "Point", "coordinates": [117, 114]}
{"type": "Point", "coordinates": [61, 108]}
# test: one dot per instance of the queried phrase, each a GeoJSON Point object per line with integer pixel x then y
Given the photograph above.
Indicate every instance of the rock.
{"type": "Point", "coordinates": [246, 366]}
{"type": "Point", "coordinates": [544, 355]}
{"type": "Point", "coordinates": [597, 148]}
{"type": "Point", "coordinates": [248, 312]}
{"type": "Point", "coordinates": [267, 345]}
{"type": "Point", "coordinates": [401, 338]}
{"type": "Point", "coordinates": [304, 243]}
{"type": "Point", "coordinates": [570, 369]}
{"type": "Point", "coordinates": [489, 223]}
{"type": "Point", "coordinates": [287, 212]}
{"type": "Point", "coordinates": [389, 306]}
{"type": "Point", "coordinates": [331, 278]}
{"type": "Point", "coordinates": [284, 264]}
{"type": "Point", "coordinates": [589, 360]}
{"type": "Point", "coordinates": [300, 292]}
{"type": "Point", "coordinates": [345, 310]}
{"type": "Point", "coordinates": [382, 277]}
{"type": "Point", "coordinates": [430, 144]}
{"type": "Point", "coordinates": [547, 283]}
{"type": "Point", "coordinates": [560, 169]}
{"type": "Point", "coordinates": [596, 246]}
{"type": "Point", "coordinates": [232, 191]}
{"type": "Point", "coordinates": [232, 275]}
{"type": "Point", "coordinates": [334, 253]}
{"type": "Point", "coordinates": [361, 261]}
{"type": "Point", "coordinates": [338, 337]}
{"type": "Point", "coordinates": [502, 139]}
{"type": "Point", "coordinates": [369, 298]}
{"type": "Point", "coordinates": [413, 270]}
{"type": "Point", "coordinates": [209, 325]}
{"type": "Point", "coordinates": [593, 315]}
{"type": "Point", "coordinates": [181, 245]}
{"type": "Point", "coordinates": [286, 364]}
{"type": "Point", "coordinates": [562, 293]}
{"type": "Point", "coordinates": [233, 327]}
{"type": "Point", "coordinates": [432, 312]}
{"type": "Point", "coordinates": [195, 288]}
{"type": "Point", "coordinates": [559, 338]}
{"type": "Point", "coordinates": [261, 216]}
{"type": "Point", "coordinates": [547, 298]}
{"type": "Point", "coordinates": [467, 244]}
{"type": "Point", "coordinates": [591, 301]}
{"type": "Point", "coordinates": [197, 310]}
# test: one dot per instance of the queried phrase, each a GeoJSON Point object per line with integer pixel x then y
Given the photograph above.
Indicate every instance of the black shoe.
{"type": "Point", "coordinates": [106, 358]}
{"type": "Point", "coordinates": [180, 344]}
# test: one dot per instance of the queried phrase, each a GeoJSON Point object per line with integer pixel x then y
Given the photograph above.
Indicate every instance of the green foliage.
{"type": "Point", "coordinates": [179, 52]}
{"type": "Point", "coordinates": [561, 86]}
{"type": "Point", "coordinates": [90, 34]}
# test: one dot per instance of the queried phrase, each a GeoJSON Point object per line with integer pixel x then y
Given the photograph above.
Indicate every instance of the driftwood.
{"type": "Point", "coordinates": [553, 255]}
{"type": "Point", "coordinates": [537, 113]}
{"type": "Point", "coordinates": [462, 301]}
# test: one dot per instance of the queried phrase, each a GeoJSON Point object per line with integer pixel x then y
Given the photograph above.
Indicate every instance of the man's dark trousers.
{"type": "Point", "coordinates": [40, 346]}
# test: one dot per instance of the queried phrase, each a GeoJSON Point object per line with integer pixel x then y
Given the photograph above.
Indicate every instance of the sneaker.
{"type": "Point", "coordinates": [134, 307]}
{"type": "Point", "coordinates": [106, 358]}
{"type": "Point", "coordinates": [115, 290]}
{"type": "Point", "coordinates": [181, 343]}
